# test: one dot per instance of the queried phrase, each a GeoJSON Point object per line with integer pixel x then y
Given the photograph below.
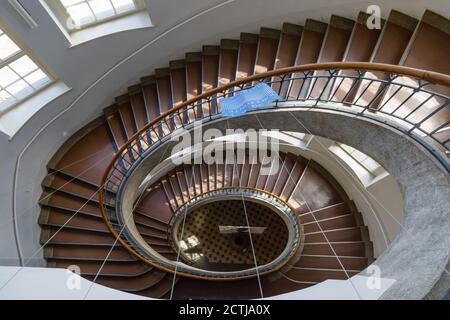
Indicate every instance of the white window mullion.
{"type": "Point", "coordinates": [11, 59]}
{"type": "Point", "coordinates": [19, 66]}
{"type": "Point", "coordinates": [114, 8]}
{"type": "Point", "coordinates": [92, 11]}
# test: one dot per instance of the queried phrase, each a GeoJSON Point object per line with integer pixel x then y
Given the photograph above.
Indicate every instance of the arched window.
{"type": "Point", "coordinates": [20, 75]}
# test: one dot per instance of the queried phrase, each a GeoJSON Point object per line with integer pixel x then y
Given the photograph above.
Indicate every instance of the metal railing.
{"type": "Point", "coordinates": [415, 102]}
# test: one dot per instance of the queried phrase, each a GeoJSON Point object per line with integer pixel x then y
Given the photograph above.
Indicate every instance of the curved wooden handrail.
{"type": "Point", "coordinates": [432, 77]}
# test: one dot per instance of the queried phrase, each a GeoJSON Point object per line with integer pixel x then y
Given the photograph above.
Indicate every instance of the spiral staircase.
{"type": "Point", "coordinates": [341, 63]}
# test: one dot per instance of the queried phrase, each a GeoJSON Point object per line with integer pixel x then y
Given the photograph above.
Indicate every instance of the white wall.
{"type": "Point", "coordinates": [54, 284]}
{"type": "Point", "coordinates": [59, 284]}
{"type": "Point", "coordinates": [81, 66]}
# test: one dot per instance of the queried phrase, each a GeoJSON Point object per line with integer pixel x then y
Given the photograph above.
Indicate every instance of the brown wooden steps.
{"type": "Point", "coordinates": [308, 52]}
{"type": "Point", "coordinates": [267, 50]}
{"type": "Point", "coordinates": [150, 93]}
{"type": "Point", "coordinates": [110, 268]}
{"type": "Point", "coordinates": [87, 154]}
{"type": "Point", "coordinates": [396, 34]}
{"type": "Point", "coordinates": [287, 52]}
{"type": "Point", "coordinates": [126, 115]}
{"type": "Point", "coordinates": [427, 50]}
{"type": "Point", "coordinates": [334, 48]}
{"type": "Point", "coordinates": [248, 47]}
{"type": "Point", "coordinates": [130, 283]}
{"type": "Point", "coordinates": [360, 48]}
{"type": "Point", "coordinates": [318, 275]}
{"type": "Point", "coordinates": [193, 74]}
{"type": "Point", "coordinates": [228, 58]}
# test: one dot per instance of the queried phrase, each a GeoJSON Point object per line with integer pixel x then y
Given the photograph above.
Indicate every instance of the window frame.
{"type": "Point", "coordinates": [372, 172]}
{"type": "Point", "coordinates": [61, 13]}
{"type": "Point", "coordinates": [24, 51]}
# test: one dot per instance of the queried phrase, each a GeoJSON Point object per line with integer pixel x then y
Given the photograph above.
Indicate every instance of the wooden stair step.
{"type": "Point", "coordinates": [332, 262]}
{"type": "Point", "coordinates": [362, 44]}
{"type": "Point", "coordinates": [333, 50]}
{"type": "Point", "coordinates": [59, 181]}
{"type": "Point", "coordinates": [284, 174]}
{"type": "Point", "coordinates": [326, 213]}
{"type": "Point", "coordinates": [228, 61]}
{"type": "Point", "coordinates": [88, 157]}
{"type": "Point", "coordinates": [193, 74]}
{"type": "Point", "coordinates": [71, 235]}
{"type": "Point", "coordinates": [124, 269]}
{"type": "Point", "coordinates": [395, 38]}
{"type": "Point", "coordinates": [126, 115]}
{"type": "Point", "coordinates": [137, 101]}
{"type": "Point", "coordinates": [350, 249]}
{"type": "Point", "coordinates": [117, 130]}
{"type": "Point", "coordinates": [340, 222]}
{"type": "Point", "coordinates": [150, 92]}
{"type": "Point", "coordinates": [87, 253]}
{"type": "Point", "coordinates": [160, 289]}
{"type": "Point", "coordinates": [287, 52]}
{"type": "Point", "coordinates": [312, 181]}
{"type": "Point", "coordinates": [130, 284]}
{"type": "Point", "coordinates": [267, 50]}
{"type": "Point", "coordinates": [184, 190]}
{"type": "Point", "coordinates": [318, 275]}
{"type": "Point", "coordinates": [293, 179]}
{"type": "Point", "coordinates": [63, 200]}
{"type": "Point", "coordinates": [156, 216]}
{"type": "Point", "coordinates": [210, 75]}
{"type": "Point", "coordinates": [60, 218]}
{"type": "Point", "coordinates": [173, 182]}
{"type": "Point", "coordinates": [308, 52]}
{"type": "Point", "coordinates": [248, 48]}
{"type": "Point", "coordinates": [338, 235]}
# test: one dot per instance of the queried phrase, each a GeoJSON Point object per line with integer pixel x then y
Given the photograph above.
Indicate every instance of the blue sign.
{"type": "Point", "coordinates": [256, 97]}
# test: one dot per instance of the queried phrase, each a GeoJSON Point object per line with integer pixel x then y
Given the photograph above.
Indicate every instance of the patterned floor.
{"type": "Point", "coordinates": [205, 246]}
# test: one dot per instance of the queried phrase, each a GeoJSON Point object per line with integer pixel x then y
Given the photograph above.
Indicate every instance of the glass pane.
{"type": "Point", "coordinates": [7, 76]}
{"type": "Point", "coordinates": [359, 156]}
{"type": "Point", "coordinates": [102, 9]}
{"type": "Point", "coordinates": [371, 164]}
{"type": "Point", "coordinates": [37, 78]}
{"type": "Point", "coordinates": [123, 5]}
{"type": "Point", "coordinates": [7, 47]}
{"type": "Point", "coordinates": [4, 96]}
{"type": "Point", "coordinates": [23, 66]}
{"type": "Point", "coordinates": [68, 3]}
{"type": "Point", "coordinates": [81, 14]}
{"type": "Point", "coordinates": [20, 89]}
{"type": "Point", "coordinates": [6, 99]}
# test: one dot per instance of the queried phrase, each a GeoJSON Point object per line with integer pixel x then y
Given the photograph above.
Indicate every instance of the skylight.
{"type": "Point", "coordinates": [20, 76]}
{"type": "Point", "coordinates": [366, 168]}
{"type": "Point", "coordinates": [87, 12]}
{"type": "Point", "coordinates": [364, 160]}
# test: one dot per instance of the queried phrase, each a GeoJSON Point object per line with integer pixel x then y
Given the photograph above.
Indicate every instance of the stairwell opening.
{"type": "Point", "coordinates": [215, 235]}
